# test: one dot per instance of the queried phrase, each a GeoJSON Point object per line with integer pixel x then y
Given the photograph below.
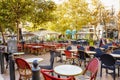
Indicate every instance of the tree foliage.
{"type": "Point", "coordinates": [72, 14]}
{"type": "Point", "coordinates": [42, 13]}
{"type": "Point", "coordinates": [15, 12]}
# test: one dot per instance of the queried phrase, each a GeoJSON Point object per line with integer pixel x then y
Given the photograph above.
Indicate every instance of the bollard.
{"type": "Point", "coordinates": [12, 67]}
{"type": "Point", "coordinates": [35, 71]}
{"type": "Point", "coordinates": [2, 62]}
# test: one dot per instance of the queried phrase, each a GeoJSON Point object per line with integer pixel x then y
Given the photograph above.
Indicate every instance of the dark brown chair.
{"type": "Point", "coordinates": [82, 56]}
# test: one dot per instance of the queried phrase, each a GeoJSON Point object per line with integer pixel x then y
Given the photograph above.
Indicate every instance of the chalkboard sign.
{"type": "Point", "coordinates": [12, 46]}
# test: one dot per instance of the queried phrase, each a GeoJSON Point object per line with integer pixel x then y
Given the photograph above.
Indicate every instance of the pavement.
{"type": "Point", "coordinates": [46, 58]}
{"type": "Point", "coordinates": [1, 77]}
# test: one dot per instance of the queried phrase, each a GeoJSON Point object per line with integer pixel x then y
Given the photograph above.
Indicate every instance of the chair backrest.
{"type": "Point", "coordinates": [91, 48]}
{"type": "Point", "coordinates": [105, 46]}
{"type": "Point", "coordinates": [83, 55]}
{"type": "Point", "coordinates": [98, 51]}
{"type": "Point", "coordinates": [107, 60]}
{"type": "Point", "coordinates": [80, 48]}
{"type": "Point", "coordinates": [47, 76]}
{"type": "Point", "coordinates": [69, 48]}
{"type": "Point", "coordinates": [109, 44]}
{"type": "Point", "coordinates": [22, 64]}
{"type": "Point", "coordinates": [52, 54]}
{"type": "Point", "coordinates": [67, 54]}
{"type": "Point", "coordinates": [92, 67]}
{"type": "Point", "coordinates": [116, 52]}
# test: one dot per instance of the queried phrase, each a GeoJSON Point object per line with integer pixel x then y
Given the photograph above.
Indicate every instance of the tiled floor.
{"type": "Point", "coordinates": [46, 61]}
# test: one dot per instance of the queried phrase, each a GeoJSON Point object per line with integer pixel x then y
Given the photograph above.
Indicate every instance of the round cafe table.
{"type": "Point", "coordinates": [30, 60]}
{"type": "Point", "coordinates": [68, 70]}
{"type": "Point", "coordinates": [36, 49]}
{"type": "Point", "coordinates": [18, 53]}
{"type": "Point", "coordinates": [90, 52]}
{"type": "Point", "coordinates": [115, 55]}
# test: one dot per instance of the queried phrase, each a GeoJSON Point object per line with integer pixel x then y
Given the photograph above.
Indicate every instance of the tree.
{"type": "Point", "coordinates": [118, 22]}
{"type": "Point", "coordinates": [5, 19]}
{"type": "Point", "coordinates": [101, 15]}
{"type": "Point", "coordinates": [15, 12]}
{"type": "Point", "coordinates": [96, 14]}
{"type": "Point", "coordinates": [72, 15]}
{"type": "Point", "coordinates": [42, 13]}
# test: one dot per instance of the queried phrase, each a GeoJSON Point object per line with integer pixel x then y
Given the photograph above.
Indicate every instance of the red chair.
{"type": "Point", "coordinates": [92, 67]}
{"type": "Point", "coordinates": [47, 74]}
{"type": "Point", "coordinates": [24, 69]}
{"type": "Point", "coordinates": [69, 56]}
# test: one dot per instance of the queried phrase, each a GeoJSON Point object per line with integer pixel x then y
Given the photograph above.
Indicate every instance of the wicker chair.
{"type": "Point", "coordinates": [24, 69]}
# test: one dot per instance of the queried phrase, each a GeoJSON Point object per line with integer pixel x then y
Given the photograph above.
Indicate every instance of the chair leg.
{"type": "Point", "coordinates": [118, 71]}
{"type": "Point", "coordinates": [7, 65]}
{"type": "Point", "coordinates": [114, 74]}
{"type": "Point", "coordinates": [73, 78]}
{"type": "Point", "coordinates": [84, 63]}
{"type": "Point", "coordinates": [106, 71]}
{"type": "Point", "coordinates": [20, 78]}
{"type": "Point", "coordinates": [101, 72]}
{"type": "Point", "coordinates": [80, 63]}
{"type": "Point", "coordinates": [95, 76]}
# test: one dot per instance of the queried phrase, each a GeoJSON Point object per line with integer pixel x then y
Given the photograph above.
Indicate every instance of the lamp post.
{"type": "Point", "coordinates": [119, 22]}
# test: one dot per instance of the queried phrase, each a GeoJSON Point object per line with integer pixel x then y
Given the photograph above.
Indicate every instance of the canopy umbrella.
{"type": "Point", "coordinates": [26, 34]}
{"type": "Point", "coordinates": [44, 33]}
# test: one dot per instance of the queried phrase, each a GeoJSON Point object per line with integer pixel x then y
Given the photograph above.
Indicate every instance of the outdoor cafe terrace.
{"type": "Point", "coordinates": [68, 60]}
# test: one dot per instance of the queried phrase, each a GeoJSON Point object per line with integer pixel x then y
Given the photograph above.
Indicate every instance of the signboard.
{"type": "Point", "coordinates": [12, 46]}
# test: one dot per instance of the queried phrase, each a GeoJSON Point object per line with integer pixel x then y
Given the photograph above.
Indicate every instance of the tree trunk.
{"type": "Point", "coordinates": [3, 38]}
{"type": "Point", "coordinates": [106, 32]}
{"type": "Point", "coordinates": [17, 24]}
{"type": "Point", "coordinates": [119, 35]}
{"type": "Point", "coordinates": [119, 32]}
{"type": "Point", "coordinates": [96, 33]}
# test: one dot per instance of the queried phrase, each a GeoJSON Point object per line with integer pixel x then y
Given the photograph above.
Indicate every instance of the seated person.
{"type": "Point", "coordinates": [80, 48]}
{"type": "Point", "coordinates": [68, 48]}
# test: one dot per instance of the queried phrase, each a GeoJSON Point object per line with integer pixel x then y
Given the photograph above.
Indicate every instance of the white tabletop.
{"type": "Point", "coordinates": [102, 48]}
{"type": "Point", "coordinates": [90, 52]}
{"type": "Point", "coordinates": [18, 53]}
{"type": "Point", "coordinates": [36, 46]}
{"type": "Point", "coordinates": [73, 50]}
{"type": "Point", "coordinates": [116, 55]}
{"type": "Point", "coordinates": [30, 60]}
{"type": "Point", "coordinates": [68, 70]}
